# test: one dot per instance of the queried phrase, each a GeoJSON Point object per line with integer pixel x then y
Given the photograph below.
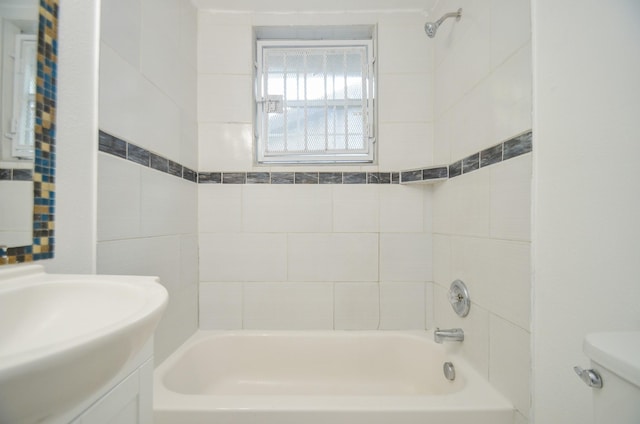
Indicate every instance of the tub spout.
{"type": "Point", "coordinates": [451, 335]}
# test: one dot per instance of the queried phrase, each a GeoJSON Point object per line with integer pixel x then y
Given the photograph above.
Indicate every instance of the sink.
{"type": "Point", "coordinates": [62, 337]}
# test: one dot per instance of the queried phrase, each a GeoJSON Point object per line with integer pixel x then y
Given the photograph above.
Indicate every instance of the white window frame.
{"type": "Point", "coordinates": [264, 103]}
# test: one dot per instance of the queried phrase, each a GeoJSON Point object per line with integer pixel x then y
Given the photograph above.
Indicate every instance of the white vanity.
{"type": "Point", "coordinates": [76, 348]}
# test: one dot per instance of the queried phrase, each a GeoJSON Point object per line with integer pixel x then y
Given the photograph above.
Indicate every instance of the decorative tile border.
{"type": "Point", "coordinates": [515, 146]}
{"type": "Point", "coordinates": [511, 148]}
{"type": "Point", "coordinates": [45, 131]}
{"type": "Point", "coordinates": [129, 151]}
{"type": "Point", "coordinates": [16, 174]}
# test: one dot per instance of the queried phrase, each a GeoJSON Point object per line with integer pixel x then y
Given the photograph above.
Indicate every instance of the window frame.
{"type": "Point", "coordinates": [326, 156]}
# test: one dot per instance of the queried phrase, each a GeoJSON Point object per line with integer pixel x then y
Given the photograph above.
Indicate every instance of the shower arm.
{"type": "Point", "coordinates": [456, 15]}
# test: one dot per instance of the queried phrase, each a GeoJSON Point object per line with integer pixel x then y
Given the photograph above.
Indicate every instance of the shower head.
{"type": "Point", "coordinates": [431, 27]}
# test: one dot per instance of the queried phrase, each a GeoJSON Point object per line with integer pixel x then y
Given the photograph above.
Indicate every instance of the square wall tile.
{"type": "Point", "coordinates": [511, 199]}
{"type": "Point", "coordinates": [118, 185]}
{"type": "Point", "coordinates": [224, 49]}
{"type": "Point", "coordinates": [225, 98]}
{"type": "Point", "coordinates": [442, 259]}
{"type": "Point", "coordinates": [221, 306]}
{"type": "Point", "coordinates": [405, 97]}
{"type": "Point", "coordinates": [225, 146]}
{"type": "Point", "coordinates": [333, 257]}
{"type": "Point", "coordinates": [498, 274]}
{"type": "Point", "coordinates": [120, 28]}
{"type": "Point", "coordinates": [168, 205]}
{"type": "Point", "coordinates": [288, 306]}
{"type": "Point", "coordinates": [356, 208]}
{"type": "Point", "coordinates": [510, 27]}
{"type": "Point", "coordinates": [220, 208]}
{"type": "Point", "coordinates": [510, 366]}
{"type": "Point", "coordinates": [406, 257]}
{"type": "Point", "coordinates": [243, 257]}
{"type": "Point", "coordinates": [402, 306]}
{"type": "Point", "coordinates": [401, 208]}
{"type": "Point", "coordinates": [409, 34]}
{"type": "Point", "coordinates": [357, 306]}
{"type": "Point", "coordinates": [405, 145]}
{"type": "Point", "coordinates": [287, 208]}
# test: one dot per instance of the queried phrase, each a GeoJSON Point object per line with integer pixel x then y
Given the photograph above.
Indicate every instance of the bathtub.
{"type": "Point", "coordinates": [317, 377]}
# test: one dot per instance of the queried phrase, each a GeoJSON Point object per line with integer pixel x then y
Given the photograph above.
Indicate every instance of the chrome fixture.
{"type": "Point", "coordinates": [431, 27]}
{"type": "Point", "coordinates": [451, 335]}
{"type": "Point", "coordinates": [449, 371]}
{"type": "Point", "coordinates": [590, 377]}
{"type": "Point", "coordinates": [459, 298]}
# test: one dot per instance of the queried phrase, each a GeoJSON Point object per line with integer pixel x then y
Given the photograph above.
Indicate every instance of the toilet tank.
{"type": "Point", "coordinates": [616, 356]}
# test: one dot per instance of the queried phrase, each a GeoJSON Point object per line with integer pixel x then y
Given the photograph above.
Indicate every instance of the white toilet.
{"type": "Point", "coordinates": [615, 356]}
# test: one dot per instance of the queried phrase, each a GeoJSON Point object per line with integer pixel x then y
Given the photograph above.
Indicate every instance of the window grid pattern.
{"type": "Point", "coordinates": [314, 103]}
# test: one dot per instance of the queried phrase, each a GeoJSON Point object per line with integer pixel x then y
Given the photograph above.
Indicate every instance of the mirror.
{"type": "Point", "coordinates": [28, 64]}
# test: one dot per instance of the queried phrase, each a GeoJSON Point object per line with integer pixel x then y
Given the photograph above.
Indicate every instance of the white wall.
{"type": "Point", "coordinates": [587, 180]}
{"type": "Point", "coordinates": [481, 220]}
{"type": "Point", "coordinates": [146, 218]}
{"type": "Point", "coordinates": [314, 256]}
{"type": "Point", "coordinates": [76, 138]}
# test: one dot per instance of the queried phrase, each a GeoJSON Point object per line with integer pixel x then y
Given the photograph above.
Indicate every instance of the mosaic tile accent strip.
{"type": "Point", "coordinates": [513, 147]}
{"type": "Point", "coordinates": [115, 146]}
{"type": "Point", "coordinates": [43, 174]}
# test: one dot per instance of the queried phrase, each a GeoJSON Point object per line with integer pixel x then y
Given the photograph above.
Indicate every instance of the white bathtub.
{"type": "Point", "coordinates": [317, 377]}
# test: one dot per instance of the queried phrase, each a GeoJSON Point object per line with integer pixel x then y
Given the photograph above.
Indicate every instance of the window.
{"type": "Point", "coordinates": [315, 101]}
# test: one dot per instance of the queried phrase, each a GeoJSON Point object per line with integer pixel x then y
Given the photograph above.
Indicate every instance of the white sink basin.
{"type": "Point", "coordinates": [64, 336]}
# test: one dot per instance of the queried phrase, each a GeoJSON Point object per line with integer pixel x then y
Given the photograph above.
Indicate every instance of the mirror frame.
{"type": "Point", "coordinates": [45, 132]}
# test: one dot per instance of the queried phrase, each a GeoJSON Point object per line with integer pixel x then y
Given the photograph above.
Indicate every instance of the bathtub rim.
{"type": "Point", "coordinates": [477, 394]}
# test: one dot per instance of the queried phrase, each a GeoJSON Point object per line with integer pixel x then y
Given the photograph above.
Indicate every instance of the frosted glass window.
{"type": "Point", "coordinates": [314, 101]}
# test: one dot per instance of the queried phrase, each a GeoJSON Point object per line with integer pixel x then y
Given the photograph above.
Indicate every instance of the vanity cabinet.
{"type": "Point", "coordinates": [129, 402]}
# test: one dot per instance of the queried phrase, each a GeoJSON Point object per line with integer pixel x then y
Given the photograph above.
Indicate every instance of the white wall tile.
{"type": "Point", "coordinates": [224, 49]}
{"type": "Point", "coordinates": [243, 257]}
{"type": "Point", "coordinates": [288, 306]}
{"type": "Point", "coordinates": [401, 208]}
{"type": "Point", "coordinates": [405, 257]}
{"type": "Point", "coordinates": [510, 364]}
{"type": "Point", "coordinates": [179, 321]}
{"type": "Point", "coordinates": [511, 199]}
{"type": "Point", "coordinates": [402, 306]}
{"type": "Point", "coordinates": [120, 28]}
{"type": "Point", "coordinates": [287, 208]}
{"type": "Point", "coordinates": [356, 208]}
{"type": "Point", "coordinates": [404, 145]}
{"type": "Point", "coordinates": [333, 257]}
{"type": "Point", "coordinates": [405, 97]}
{"type": "Point", "coordinates": [189, 271]}
{"type": "Point", "coordinates": [168, 205]}
{"type": "Point", "coordinates": [511, 88]}
{"type": "Point", "coordinates": [416, 54]}
{"type": "Point", "coordinates": [225, 147]}
{"type": "Point", "coordinates": [470, 213]}
{"type": "Point", "coordinates": [442, 259]}
{"type": "Point", "coordinates": [498, 274]}
{"type": "Point", "coordinates": [220, 208]}
{"type": "Point", "coordinates": [154, 256]}
{"type": "Point", "coordinates": [225, 98]}
{"type": "Point", "coordinates": [220, 306]}
{"type": "Point", "coordinates": [357, 306]}
{"type": "Point", "coordinates": [429, 307]}
{"type": "Point", "coordinates": [510, 27]}
{"type": "Point", "coordinates": [118, 198]}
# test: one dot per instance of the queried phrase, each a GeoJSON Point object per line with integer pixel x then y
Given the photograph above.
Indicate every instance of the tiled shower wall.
{"type": "Point", "coordinates": [146, 218]}
{"type": "Point", "coordinates": [314, 256]}
{"type": "Point", "coordinates": [482, 220]}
